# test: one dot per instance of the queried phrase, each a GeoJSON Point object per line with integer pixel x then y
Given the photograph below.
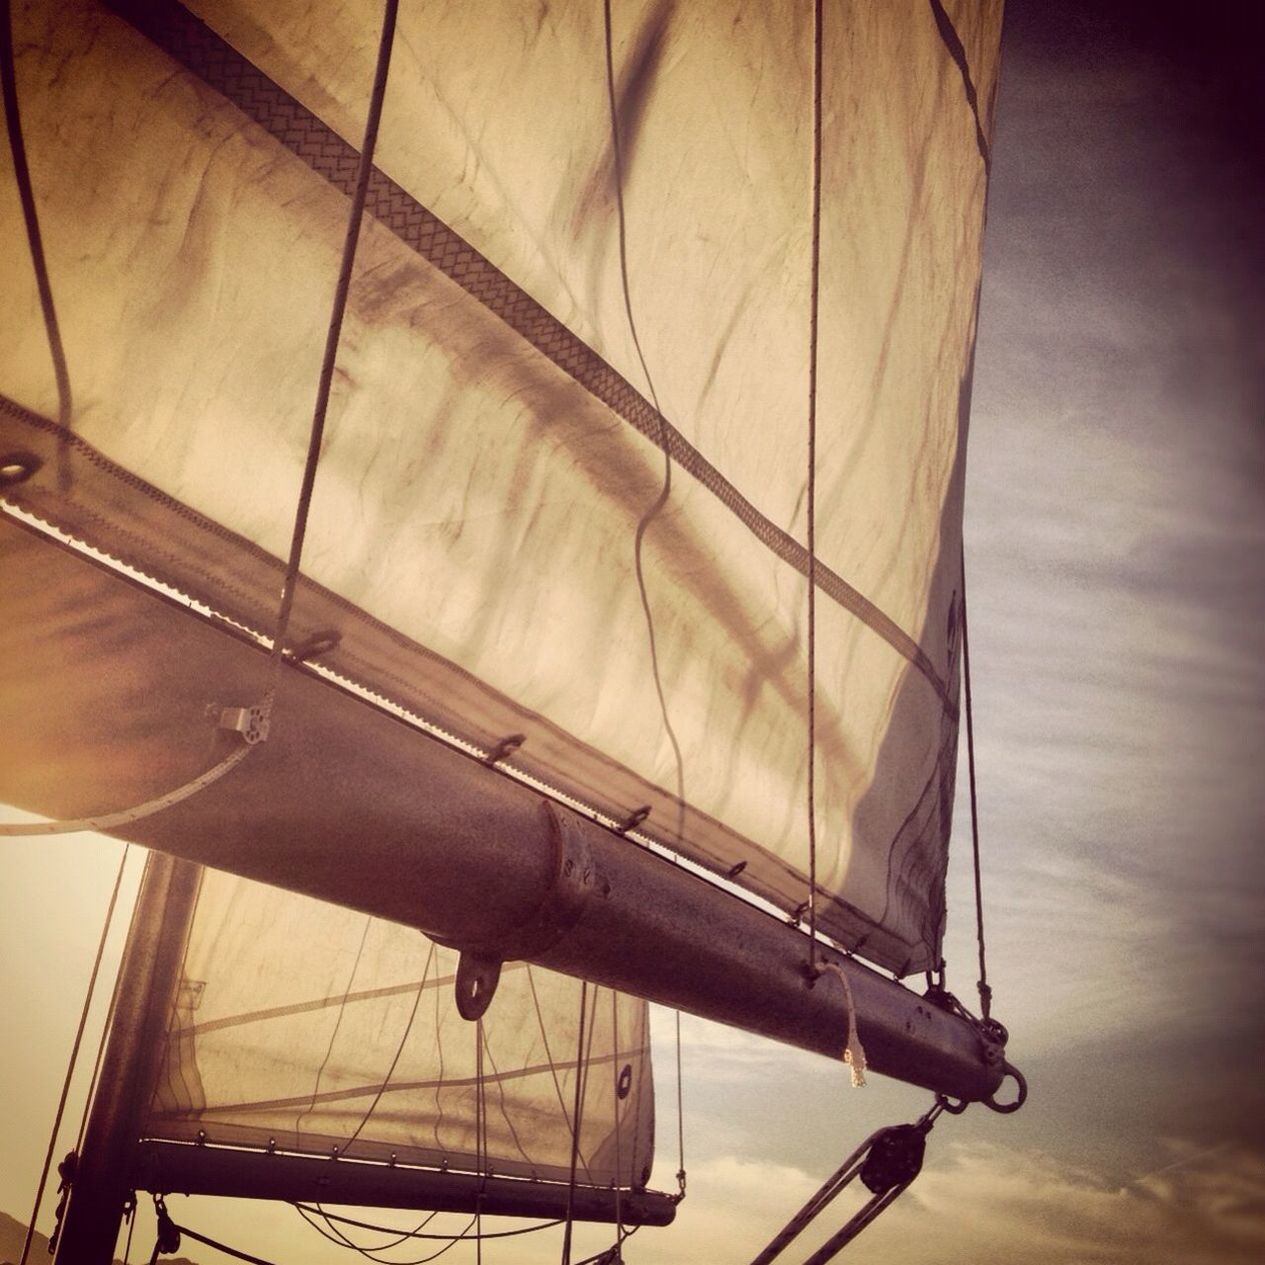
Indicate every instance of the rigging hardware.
{"type": "Point", "coordinates": [887, 1161]}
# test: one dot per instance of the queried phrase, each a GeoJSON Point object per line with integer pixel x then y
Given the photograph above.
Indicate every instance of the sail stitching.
{"type": "Point", "coordinates": [363, 1091]}
{"type": "Point", "coordinates": [264, 102]}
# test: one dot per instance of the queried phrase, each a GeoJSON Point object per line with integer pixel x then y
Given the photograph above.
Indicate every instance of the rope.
{"type": "Point", "coordinates": [480, 1136]}
{"type": "Point", "coordinates": [853, 1051]}
{"type": "Point", "coordinates": [74, 1056]}
{"type": "Point", "coordinates": [170, 1234]}
{"type": "Point", "coordinates": [575, 1125]}
{"type": "Point", "coordinates": [317, 1210]}
{"type": "Point", "coordinates": [665, 490]}
{"type": "Point", "coordinates": [812, 496]}
{"type": "Point", "coordinates": [22, 176]}
{"type": "Point", "coordinates": [341, 1240]}
{"type": "Point", "coordinates": [399, 1049]}
{"type": "Point", "coordinates": [333, 1036]}
{"type": "Point", "coordinates": [615, 1100]}
{"type": "Point", "coordinates": [680, 1117]}
{"type": "Point", "coordinates": [401, 1236]}
{"type": "Point", "coordinates": [985, 992]}
{"type": "Point", "coordinates": [111, 821]}
{"type": "Point", "coordinates": [332, 336]}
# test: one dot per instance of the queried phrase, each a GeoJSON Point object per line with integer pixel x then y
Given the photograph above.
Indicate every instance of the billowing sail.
{"type": "Point", "coordinates": [537, 316]}
{"type": "Point", "coordinates": [308, 1028]}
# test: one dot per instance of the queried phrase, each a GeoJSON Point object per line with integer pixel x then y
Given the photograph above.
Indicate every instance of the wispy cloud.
{"type": "Point", "coordinates": [993, 1203]}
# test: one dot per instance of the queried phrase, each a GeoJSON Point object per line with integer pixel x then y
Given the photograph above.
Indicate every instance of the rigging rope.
{"type": "Point", "coordinates": [340, 1240]}
{"type": "Point", "coordinates": [22, 177]}
{"type": "Point", "coordinates": [351, 241]}
{"type": "Point", "coordinates": [74, 1056]}
{"type": "Point", "coordinates": [812, 496]}
{"type": "Point", "coordinates": [402, 1236]}
{"type": "Point", "coordinates": [318, 1210]}
{"type": "Point", "coordinates": [399, 1049]}
{"type": "Point", "coordinates": [665, 490]}
{"type": "Point", "coordinates": [985, 992]}
{"type": "Point", "coordinates": [575, 1125]}
{"type": "Point", "coordinates": [110, 821]}
{"type": "Point", "coordinates": [616, 1073]}
{"type": "Point", "coordinates": [887, 1161]}
{"type": "Point", "coordinates": [680, 1117]}
{"type": "Point", "coordinates": [853, 1052]}
{"type": "Point", "coordinates": [480, 1136]}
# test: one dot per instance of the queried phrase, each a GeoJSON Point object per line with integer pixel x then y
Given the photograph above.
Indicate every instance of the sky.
{"type": "Point", "coordinates": [1116, 562]}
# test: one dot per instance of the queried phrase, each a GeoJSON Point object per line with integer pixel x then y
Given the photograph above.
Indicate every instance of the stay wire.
{"type": "Point", "coordinates": [814, 305]}
{"type": "Point", "coordinates": [985, 992]}
{"type": "Point", "coordinates": [74, 1054]}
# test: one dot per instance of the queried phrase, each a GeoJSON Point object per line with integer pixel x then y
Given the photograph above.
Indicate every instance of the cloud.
{"type": "Point", "coordinates": [1199, 1206]}
{"type": "Point", "coordinates": [992, 1203]}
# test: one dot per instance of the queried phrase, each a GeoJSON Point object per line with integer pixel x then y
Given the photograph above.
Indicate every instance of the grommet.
{"type": "Point", "coordinates": [17, 467]}
{"type": "Point", "coordinates": [477, 978]}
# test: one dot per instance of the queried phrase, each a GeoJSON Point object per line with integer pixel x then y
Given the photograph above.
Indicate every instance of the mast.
{"type": "Point", "coordinates": [147, 982]}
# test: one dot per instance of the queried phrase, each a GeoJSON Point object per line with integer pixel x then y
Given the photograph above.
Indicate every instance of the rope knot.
{"type": "Point", "coordinates": [853, 1051]}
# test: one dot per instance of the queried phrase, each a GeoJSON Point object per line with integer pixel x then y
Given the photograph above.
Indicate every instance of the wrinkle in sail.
{"type": "Point", "coordinates": [488, 459]}
{"type": "Point", "coordinates": [390, 1077]}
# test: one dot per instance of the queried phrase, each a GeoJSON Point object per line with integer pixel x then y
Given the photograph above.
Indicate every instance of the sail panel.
{"type": "Point", "coordinates": [311, 1028]}
{"type": "Point", "coordinates": [479, 498]}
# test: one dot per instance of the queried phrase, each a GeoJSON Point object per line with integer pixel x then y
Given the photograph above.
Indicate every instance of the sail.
{"type": "Point", "coordinates": [537, 316]}
{"type": "Point", "coordinates": [308, 1028]}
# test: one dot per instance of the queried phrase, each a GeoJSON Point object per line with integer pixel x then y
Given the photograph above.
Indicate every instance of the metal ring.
{"type": "Point", "coordinates": [1005, 1108]}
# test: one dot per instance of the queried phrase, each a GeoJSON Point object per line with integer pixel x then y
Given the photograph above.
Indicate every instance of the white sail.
{"type": "Point", "coordinates": [304, 1027]}
{"type": "Point", "coordinates": [493, 444]}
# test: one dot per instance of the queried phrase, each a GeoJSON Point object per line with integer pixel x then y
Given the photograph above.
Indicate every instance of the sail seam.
{"type": "Point", "coordinates": [364, 1091]}
{"type": "Point", "coordinates": [198, 48]}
